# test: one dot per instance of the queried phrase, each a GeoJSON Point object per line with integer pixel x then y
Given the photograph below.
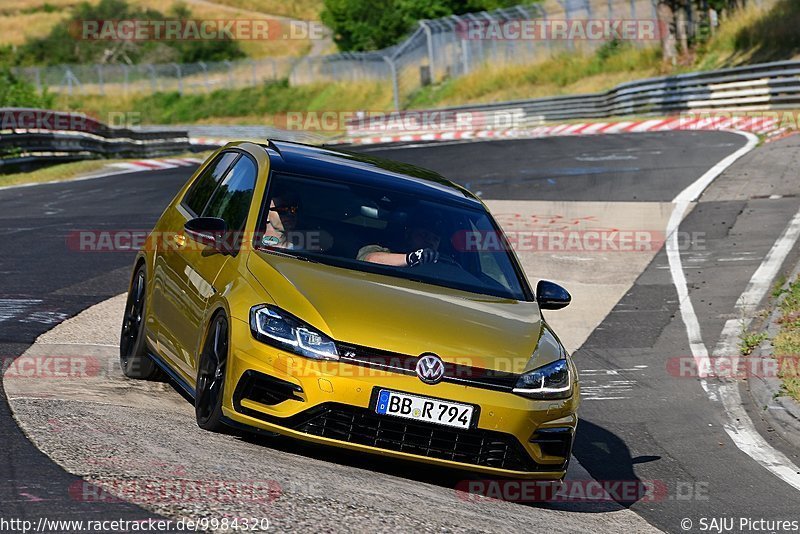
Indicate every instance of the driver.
{"type": "Point", "coordinates": [281, 220]}
{"type": "Point", "coordinates": [422, 239]}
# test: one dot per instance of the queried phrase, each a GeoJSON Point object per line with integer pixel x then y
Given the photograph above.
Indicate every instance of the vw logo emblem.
{"type": "Point", "coordinates": [430, 368]}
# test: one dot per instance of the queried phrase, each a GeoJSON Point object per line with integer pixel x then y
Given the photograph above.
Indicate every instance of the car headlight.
{"type": "Point", "coordinates": [551, 381]}
{"type": "Point", "coordinates": [279, 328]}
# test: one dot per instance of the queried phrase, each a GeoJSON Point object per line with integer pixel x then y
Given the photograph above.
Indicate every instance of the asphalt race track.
{"type": "Point", "coordinates": [660, 428]}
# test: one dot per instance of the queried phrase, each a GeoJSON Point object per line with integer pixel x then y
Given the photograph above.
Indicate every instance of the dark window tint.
{"type": "Point", "coordinates": [197, 197]}
{"type": "Point", "coordinates": [335, 221]}
{"type": "Point", "coordinates": [231, 200]}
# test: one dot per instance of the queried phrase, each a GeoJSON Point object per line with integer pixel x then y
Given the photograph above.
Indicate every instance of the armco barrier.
{"type": "Point", "coordinates": [43, 136]}
{"type": "Point", "coordinates": [761, 87]}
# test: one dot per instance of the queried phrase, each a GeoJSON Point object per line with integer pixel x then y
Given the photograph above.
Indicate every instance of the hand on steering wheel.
{"type": "Point", "coordinates": [423, 255]}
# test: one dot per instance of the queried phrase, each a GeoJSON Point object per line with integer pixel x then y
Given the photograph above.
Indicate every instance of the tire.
{"type": "Point", "coordinates": [133, 356]}
{"type": "Point", "coordinates": [210, 384]}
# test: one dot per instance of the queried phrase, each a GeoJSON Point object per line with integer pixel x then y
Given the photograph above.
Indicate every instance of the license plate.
{"type": "Point", "coordinates": [424, 409]}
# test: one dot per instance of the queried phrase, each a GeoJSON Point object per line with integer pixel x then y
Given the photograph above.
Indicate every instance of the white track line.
{"type": "Point", "coordinates": [739, 427]}
{"type": "Point", "coordinates": [693, 192]}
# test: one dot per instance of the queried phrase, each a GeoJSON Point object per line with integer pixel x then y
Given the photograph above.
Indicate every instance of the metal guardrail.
{"type": "Point", "coordinates": [754, 88]}
{"type": "Point", "coordinates": [243, 132]}
{"type": "Point", "coordinates": [42, 136]}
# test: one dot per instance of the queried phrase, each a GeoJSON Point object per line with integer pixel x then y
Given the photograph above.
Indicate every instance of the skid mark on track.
{"type": "Point", "coordinates": [608, 384]}
{"type": "Point", "coordinates": [13, 308]}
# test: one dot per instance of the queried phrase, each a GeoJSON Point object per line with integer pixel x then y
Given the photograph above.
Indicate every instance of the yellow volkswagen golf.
{"type": "Point", "coordinates": [354, 302]}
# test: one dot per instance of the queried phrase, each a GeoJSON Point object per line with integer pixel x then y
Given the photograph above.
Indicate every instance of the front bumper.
{"type": "Point", "coordinates": [333, 403]}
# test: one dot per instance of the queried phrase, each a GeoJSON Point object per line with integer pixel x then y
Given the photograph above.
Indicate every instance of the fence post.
{"type": "Point", "coordinates": [71, 80]}
{"type": "Point", "coordinates": [465, 55]}
{"type": "Point", "coordinates": [230, 73]}
{"type": "Point", "coordinates": [494, 41]}
{"type": "Point", "coordinates": [253, 71]}
{"type": "Point", "coordinates": [124, 78]}
{"type": "Point", "coordinates": [633, 9]}
{"type": "Point", "coordinates": [395, 82]}
{"type": "Point", "coordinates": [205, 76]}
{"type": "Point", "coordinates": [153, 82]}
{"type": "Point", "coordinates": [180, 78]}
{"type": "Point", "coordinates": [429, 38]}
{"type": "Point", "coordinates": [100, 79]}
{"type": "Point", "coordinates": [472, 18]}
{"type": "Point", "coordinates": [37, 74]}
{"type": "Point", "coordinates": [567, 16]}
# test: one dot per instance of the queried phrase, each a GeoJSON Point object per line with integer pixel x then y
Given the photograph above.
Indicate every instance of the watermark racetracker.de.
{"type": "Point", "coordinates": [581, 490]}
{"type": "Point", "coordinates": [609, 240]}
{"type": "Point", "coordinates": [196, 29]}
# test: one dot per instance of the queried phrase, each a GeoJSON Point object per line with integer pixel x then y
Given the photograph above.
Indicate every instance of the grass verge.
{"type": "Point", "coordinates": [250, 105]}
{"type": "Point", "coordinates": [566, 73]}
{"type": "Point", "coordinates": [787, 342]}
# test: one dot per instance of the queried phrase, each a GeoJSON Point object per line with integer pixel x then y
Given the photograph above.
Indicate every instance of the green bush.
{"type": "Point", "coordinates": [64, 45]}
{"type": "Point", "coordinates": [15, 92]}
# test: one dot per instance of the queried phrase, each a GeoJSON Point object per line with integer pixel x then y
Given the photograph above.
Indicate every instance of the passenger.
{"type": "Point", "coordinates": [422, 239]}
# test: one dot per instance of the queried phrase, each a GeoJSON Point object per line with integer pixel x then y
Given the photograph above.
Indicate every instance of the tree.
{"type": "Point", "coordinates": [360, 25]}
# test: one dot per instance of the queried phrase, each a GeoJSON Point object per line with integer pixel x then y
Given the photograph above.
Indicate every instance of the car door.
{"type": "Point", "coordinates": [231, 203]}
{"type": "Point", "coordinates": [193, 266]}
{"type": "Point", "coordinates": [169, 294]}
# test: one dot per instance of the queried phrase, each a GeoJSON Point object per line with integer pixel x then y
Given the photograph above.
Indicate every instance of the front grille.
{"type": "Point", "coordinates": [465, 375]}
{"type": "Point", "coordinates": [360, 425]}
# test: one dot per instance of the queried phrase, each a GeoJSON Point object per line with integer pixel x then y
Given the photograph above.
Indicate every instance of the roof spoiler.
{"type": "Point", "coordinates": [273, 146]}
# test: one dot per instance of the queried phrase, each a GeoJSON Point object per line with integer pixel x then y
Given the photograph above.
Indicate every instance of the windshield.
{"type": "Point", "coordinates": [390, 232]}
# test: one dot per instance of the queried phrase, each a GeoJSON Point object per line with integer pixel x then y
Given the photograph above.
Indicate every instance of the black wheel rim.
{"type": "Point", "coordinates": [132, 322]}
{"type": "Point", "coordinates": [211, 374]}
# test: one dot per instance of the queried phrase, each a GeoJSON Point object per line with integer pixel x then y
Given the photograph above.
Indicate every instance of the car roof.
{"type": "Point", "coordinates": [308, 160]}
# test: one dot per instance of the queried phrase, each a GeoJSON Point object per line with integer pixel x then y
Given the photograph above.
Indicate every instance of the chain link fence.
{"type": "Point", "coordinates": [435, 50]}
{"type": "Point", "coordinates": [115, 79]}
{"type": "Point", "coordinates": [457, 45]}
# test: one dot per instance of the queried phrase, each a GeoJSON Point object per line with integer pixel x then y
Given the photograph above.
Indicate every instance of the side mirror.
{"type": "Point", "coordinates": [551, 296]}
{"type": "Point", "coordinates": [209, 231]}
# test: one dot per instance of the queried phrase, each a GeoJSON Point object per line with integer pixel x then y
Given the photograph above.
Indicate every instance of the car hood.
{"type": "Point", "coordinates": [400, 315]}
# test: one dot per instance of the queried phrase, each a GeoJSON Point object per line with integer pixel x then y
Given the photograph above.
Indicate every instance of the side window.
{"type": "Point", "coordinates": [197, 196]}
{"type": "Point", "coordinates": [231, 200]}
